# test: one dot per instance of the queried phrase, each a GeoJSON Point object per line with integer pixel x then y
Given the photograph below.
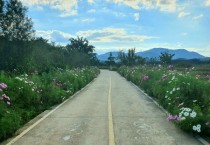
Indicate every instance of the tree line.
{"type": "Point", "coordinates": [21, 51]}
{"type": "Point", "coordinates": [131, 59]}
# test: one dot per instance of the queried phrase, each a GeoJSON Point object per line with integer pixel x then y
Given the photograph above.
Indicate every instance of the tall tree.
{"type": "Point", "coordinates": [122, 58]}
{"type": "Point", "coordinates": [16, 25]}
{"type": "Point", "coordinates": [131, 56]}
{"type": "Point", "coordinates": [166, 58]}
{"type": "Point", "coordinates": [140, 60]}
{"type": "Point", "coordinates": [80, 44]}
{"type": "Point", "coordinates": [111, 59]}
{"type": "Point", "coordinates": [1, 15]}
{"type": "Point", "coordinates": [16, 31]}
{"type": "Point", "coordinates": [80, 52]}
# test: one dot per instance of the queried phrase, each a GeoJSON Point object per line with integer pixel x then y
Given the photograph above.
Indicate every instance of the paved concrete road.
{"type": "Point", "coordinates": [87, 119]}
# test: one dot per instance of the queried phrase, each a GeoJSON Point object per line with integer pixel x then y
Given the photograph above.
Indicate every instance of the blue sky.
{"type": "Point", "coordinates": [112, 25]}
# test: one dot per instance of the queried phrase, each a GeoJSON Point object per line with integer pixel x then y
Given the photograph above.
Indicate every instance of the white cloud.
{"type": "Point", "coordinates": [40, 8]}
{"type": "Point", "coordinates": [65, 5]}
{"type": "Point", "coordinates": [207, 3]}
{"type": "Point", "coordinates": [85, 20]}
{"type": "Point", "coordinates": [183, 14]}
{"type": "Point", "coordinates": [136, 16]}
{"type": "Point", "coordinates": [68, 7]}
{"type": "Point", "coordinates": [202, 51]}
{"type": "Point", "coordinates": [54, 36]}
{"type": "Point", "coordinates": [184, 34]}
{"type": "Point", "coordinates": [68, 13]}
{"type": "Point", "coordinates": [91, 11]}
{"type": "Point", "coordinates": [198, 17]}
{"type": "Point", "coordinates": [162, 5]}
{"type": "Point", "coordinates": [116, 13]}
{"type": "Point", "coordinates": [167, 5]}
{"type": "Point", "coordinates": [90, 1]}
{"type": "Point", "coordinates": [112, 35]}
{"type": "Point", "coordinates": [38, 2]}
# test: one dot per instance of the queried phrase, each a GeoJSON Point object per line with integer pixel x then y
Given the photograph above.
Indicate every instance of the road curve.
{"type": "Point", "coordinates": [109, 111]}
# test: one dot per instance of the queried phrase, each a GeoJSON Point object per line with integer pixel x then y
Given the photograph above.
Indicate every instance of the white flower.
{"type": "Point", "coordinates": [166, 96]}
{"type": "Point", "coordinates": [194, 128]}
{"type": "Point", "coordinates": [173, 78]}
{"type": "Point", "coordinates": [193, 114]}
{"type": "Point", "coordinates": [186, 114]}
{"type": "Point", "coordinates": [198, 126]}
{"type": "Point", "coordinates": [177, 88]}
{"type": "Point", "coordinates": [188, 109]}
{"type": "Point", "coordinates": [174, 89]}
{"type": "Point", "coordinates": [194, 101]}
{"type": "Point", "coordinates": [171, 92]}
{"type": "Point", "coordinates": [198, 129]}
{"type": "Point", "coordinates": [183, 118]}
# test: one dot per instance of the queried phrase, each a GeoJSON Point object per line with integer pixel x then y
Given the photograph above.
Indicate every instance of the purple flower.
{"type": "Point", "coordinates": [208, 77]}
{"type": "Point", "coordinates": [145, 77]}
{"type": "Point", "coordinates": [3, 85]}
{"type": "Point", "coordinates": [173, 118]}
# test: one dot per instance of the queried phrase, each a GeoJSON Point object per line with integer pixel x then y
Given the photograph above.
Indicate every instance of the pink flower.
{"type": "Point", "coordinates": [145, 78]}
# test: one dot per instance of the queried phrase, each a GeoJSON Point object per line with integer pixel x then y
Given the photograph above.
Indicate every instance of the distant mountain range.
{"type": "Point", "coordinates": [156, 52]}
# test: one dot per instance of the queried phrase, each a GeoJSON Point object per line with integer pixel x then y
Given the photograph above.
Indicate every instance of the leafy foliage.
{"type": "Point", "coordinates": [15, 24]}
{"type": "Point", "coordinates": [166, 58]}
{"type": "Point", "coordinates": [130, 58]}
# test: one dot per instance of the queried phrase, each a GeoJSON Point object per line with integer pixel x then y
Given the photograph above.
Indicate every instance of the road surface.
{"type": "Point", "coordinates": [110, 111]}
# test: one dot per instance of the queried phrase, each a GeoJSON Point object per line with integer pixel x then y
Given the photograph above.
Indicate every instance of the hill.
{"type": "Point", "coordinates": [155, 52]}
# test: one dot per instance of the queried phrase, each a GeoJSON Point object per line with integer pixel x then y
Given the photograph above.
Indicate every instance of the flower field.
{"type": "Point", "coordinates": [184, 94]}
{"type": "Point", "coordinates": [25, 96]}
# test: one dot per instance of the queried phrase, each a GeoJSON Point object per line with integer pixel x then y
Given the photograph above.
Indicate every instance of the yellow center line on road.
{"type": "Point", "coordinates": [111, 129]}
